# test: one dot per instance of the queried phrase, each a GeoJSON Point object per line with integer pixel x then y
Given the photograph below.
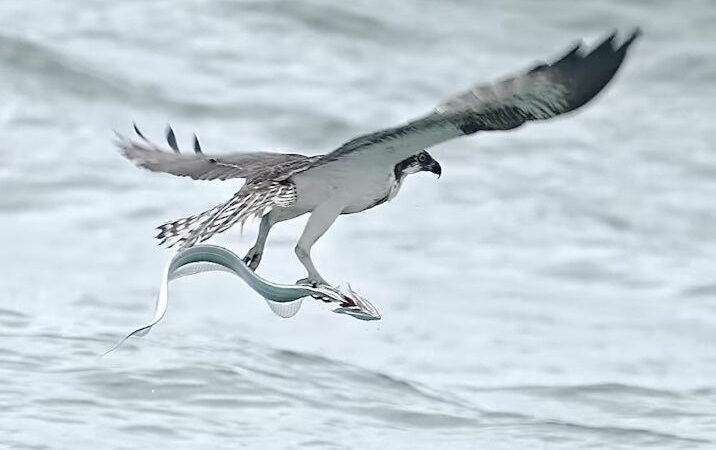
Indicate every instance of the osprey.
{"type": "Point", "coordinates": [369, 169]}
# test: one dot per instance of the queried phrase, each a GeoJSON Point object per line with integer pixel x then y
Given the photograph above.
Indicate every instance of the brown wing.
{"type": "Point", "coordinates": [249, 165]}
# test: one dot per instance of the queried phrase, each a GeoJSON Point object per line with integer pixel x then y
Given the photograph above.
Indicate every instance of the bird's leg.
{"type": "Point", "coordinates": [253, 256]}
{"type": "Point", "coordinates": [321, 219]}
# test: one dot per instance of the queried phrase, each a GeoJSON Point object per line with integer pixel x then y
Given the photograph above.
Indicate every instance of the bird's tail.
{"type": "Point", "coordinates": [200, 227]}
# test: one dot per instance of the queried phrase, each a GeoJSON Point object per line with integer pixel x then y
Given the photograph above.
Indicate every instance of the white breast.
{"type": "Point", "coordinates": [388, 189]}
{"type": "Point", "coordinates": [359, 186]}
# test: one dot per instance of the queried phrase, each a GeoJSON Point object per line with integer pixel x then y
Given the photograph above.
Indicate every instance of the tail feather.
{"type": "Point", "coordinates": [182, 230]}
{"type": "Point", "coordinates": [244, 205]}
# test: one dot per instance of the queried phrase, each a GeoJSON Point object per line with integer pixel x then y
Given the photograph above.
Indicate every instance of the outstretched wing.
{"type": "Point", "coordinates": [249, 165]}
{"type": "Point", "coordinates": [542, 92]}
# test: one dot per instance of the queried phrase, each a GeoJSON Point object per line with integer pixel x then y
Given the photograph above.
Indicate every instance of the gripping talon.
{"type": "Point", "coordinates": [252, 259]}
{"type": "Point", "coordinates": [322, 298]}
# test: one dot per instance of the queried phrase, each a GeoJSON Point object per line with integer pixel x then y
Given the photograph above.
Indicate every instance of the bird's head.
{"type": "Point", "coordinates": [421, 162]}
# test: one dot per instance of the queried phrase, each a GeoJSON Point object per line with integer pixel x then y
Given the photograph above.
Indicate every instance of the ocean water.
{"type": "Point", "coordinates": [555, 289]}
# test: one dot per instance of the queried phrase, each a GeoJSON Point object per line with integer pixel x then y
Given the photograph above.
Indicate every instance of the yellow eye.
{"type": "Point", "coordinates": [422, 157]}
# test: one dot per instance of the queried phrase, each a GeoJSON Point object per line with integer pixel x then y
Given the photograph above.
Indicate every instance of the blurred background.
{"type": "Point", "coordinates": [556, 288]}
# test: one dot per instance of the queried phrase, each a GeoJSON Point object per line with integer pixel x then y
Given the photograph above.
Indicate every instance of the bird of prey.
{"type": "Point", "coordinates": [369, 170]}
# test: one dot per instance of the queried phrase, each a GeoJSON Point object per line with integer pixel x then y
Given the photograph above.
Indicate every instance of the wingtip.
{"type": "Point", "coordinates": [197, 146]}
{"type": "Point", "coordinates": [171, 139]}
{"type": "Point", "coordinates": [636, 32]}
{"type": "Point", "coordinates": [136, 130]}
{"type": "Point", "coordinates": [607, 43]}
{"type": "Point", "coordinates": [574, 49]}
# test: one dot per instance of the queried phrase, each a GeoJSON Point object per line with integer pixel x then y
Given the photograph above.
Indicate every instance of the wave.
{"type": "Point", "coordinates": [39, 69]}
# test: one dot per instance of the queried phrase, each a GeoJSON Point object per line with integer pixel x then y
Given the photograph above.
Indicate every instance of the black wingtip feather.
{"type": "Point", "coordinates": [575, 49]}
{"type": "Point", "coordinates": [607, 45]}
{"type": "Point", "coordinates": [197, 146]}
{"type": "Point", "coordinates": [139, 133]}
{"type": "Point", "coordinates": [634, 34]}
{"type": "Point", "coordinates": [598, 67]}
{"type": "Point", "coordinates": [172, 140]}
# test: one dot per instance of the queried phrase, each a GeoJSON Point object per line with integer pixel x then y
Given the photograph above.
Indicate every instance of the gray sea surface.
{"type": "Point", "coordinates": [555, 289]}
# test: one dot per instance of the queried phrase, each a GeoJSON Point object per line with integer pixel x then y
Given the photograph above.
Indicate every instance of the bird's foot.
{"type": "Point", "coordinates": [315, 282]}
{"type": "Point", "coordinates": [312, 281]}
{"type": "Point", "coordinates": [253, 258]}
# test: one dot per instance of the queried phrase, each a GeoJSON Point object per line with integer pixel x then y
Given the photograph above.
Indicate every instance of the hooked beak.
{"type": "Point", "coordinates": [435, 168]}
